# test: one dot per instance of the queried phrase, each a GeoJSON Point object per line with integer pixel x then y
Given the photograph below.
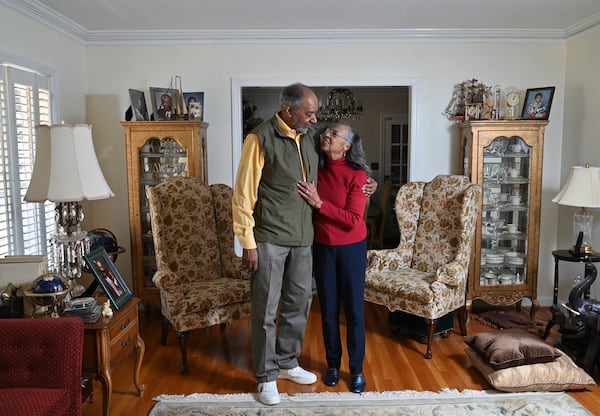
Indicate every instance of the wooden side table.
{"type": "Point", "coordinates": [565, 255]}
{"type": "Point", "coordinates": [107, 341]}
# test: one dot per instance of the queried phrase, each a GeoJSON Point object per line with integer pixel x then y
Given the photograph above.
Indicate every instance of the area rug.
{"type": "Point", "coordinates": [448, 402]}
{"type": "Point", "coordinates": [509, 318]}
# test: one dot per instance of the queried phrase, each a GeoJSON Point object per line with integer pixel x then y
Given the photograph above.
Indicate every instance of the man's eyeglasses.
{"type": "Point", "coordinates": [334, 134]}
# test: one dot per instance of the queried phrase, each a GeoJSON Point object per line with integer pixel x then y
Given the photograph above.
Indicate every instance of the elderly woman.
{"type": "Point", "coordinates": [339, 249]}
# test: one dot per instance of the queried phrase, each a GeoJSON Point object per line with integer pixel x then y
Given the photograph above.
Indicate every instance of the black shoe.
{"type": "Point", "coordinates": [357, 383]}
{"type": "Point", "coordinates": [331, 377]}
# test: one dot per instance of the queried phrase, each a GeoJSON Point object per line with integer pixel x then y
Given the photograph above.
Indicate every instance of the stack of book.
{"type": "Point", "coordinates": [87, 309]}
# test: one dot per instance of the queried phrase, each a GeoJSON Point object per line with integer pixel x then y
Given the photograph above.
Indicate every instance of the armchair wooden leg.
{"type": "Point", "coordinates": [468, 307]}
{"type": "Point", "coordinates": [183, 336]}
{"type": "Point", "coordinates": [163, 333]}
{"type": "Point", "coordinates": [462, 320]}
{"type": "Point", "coordinates": [431, 324]}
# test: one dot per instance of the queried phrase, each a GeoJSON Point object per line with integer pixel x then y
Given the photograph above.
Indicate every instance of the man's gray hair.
{"type": "Point", "coordinates": [293, 95]}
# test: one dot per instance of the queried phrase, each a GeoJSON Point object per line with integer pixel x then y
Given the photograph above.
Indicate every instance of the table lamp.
{"type": "Point", "coordinates": [66, 171]}
{"type": "Point", "coordinates": [582, 189]}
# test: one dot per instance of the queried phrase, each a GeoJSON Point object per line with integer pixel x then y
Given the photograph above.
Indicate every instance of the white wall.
{"type": "Point", "coordinates": [26, 39]}
{"type": "Point", "coordinates": [109, 71]}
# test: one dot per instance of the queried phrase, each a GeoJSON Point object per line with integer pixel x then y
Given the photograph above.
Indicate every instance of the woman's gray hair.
{"type": "Point", "coordinates": [293, 95]}
{"type": "Point", "coordinates": [355, 156]}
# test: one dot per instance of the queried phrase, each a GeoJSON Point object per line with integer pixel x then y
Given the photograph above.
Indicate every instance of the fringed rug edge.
{"type": "Point", "coordinates": [347, 396]}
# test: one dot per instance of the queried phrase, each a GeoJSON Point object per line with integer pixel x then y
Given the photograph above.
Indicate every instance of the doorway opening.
{"type": "Point", "coordinates": [385, 127]}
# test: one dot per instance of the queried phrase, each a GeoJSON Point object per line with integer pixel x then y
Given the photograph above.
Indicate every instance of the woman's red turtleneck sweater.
{"type": "Point", "coordinates": [339, 221]}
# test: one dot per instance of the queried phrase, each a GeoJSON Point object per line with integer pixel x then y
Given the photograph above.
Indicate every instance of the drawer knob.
{"type": "Point", "coordinates": [126, 343]}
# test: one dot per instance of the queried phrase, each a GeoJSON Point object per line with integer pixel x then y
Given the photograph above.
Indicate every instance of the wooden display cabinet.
{"type": "Point", "coordinates": [505, 158]}
{"type": "Point", "coordinates": [157, 150]}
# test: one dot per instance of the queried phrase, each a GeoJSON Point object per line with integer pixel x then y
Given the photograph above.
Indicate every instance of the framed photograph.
{"type": "Point", "coordinates": [163, 102]}
{"type": "Point", "coordinates": [108, 276]}
{"type": "Point", "coordinates": [537, 103]}
{"type": "Point", "coordinates": [138, 105]}
{"type": "Point", "coordinates": [473, 111]}
{"type": "Point", "coordinates": [194, 102]}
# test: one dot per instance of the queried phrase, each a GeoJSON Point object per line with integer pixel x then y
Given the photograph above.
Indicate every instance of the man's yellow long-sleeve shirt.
{"type": "Point", "coordinates": [247, 182]}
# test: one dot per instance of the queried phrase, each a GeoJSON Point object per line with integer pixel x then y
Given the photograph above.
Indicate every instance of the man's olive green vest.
{"type": "Point", "coordinates": [281, 215]}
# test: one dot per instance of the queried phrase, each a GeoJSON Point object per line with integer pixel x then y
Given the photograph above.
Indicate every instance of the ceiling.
{"type": "Point", "coordinates": [105, 21]}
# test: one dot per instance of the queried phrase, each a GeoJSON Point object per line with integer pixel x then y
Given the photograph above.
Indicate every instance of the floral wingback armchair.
{"type": "Point", "coordinates": [426, 275]}
{"type": "Point", "coordinates": [201, 280]}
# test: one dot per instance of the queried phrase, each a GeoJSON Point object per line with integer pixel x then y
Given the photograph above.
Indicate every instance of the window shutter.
{"type": "Point", "coordinates": [24, 102]}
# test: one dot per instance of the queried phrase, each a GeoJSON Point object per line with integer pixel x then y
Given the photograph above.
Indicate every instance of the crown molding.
{"type": "Point", "coordinates": [55, 21]}
{"type": "Point", "coordinates": [314, 36]}
{"type": "Point", "coordinates": [48, 17]}
{"type": "Point", "coordinates": [584, 25]}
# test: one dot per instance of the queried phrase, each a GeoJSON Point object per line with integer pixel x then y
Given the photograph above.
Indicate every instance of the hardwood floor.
{"type": "Point", "coordinates": [220, 362]}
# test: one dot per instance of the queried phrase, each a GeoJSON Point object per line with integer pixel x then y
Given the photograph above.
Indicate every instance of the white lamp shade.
{"type": "Point", "coordinates": [582, 188]}
{"type": "Point", "coordinates": [66, 168]}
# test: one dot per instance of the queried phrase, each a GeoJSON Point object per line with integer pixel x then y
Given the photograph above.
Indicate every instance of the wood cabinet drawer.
{"type": "Point", "coordinates": [110, 340]}
{"type": "Point", "coordinates": [123, 343]}
{"type": "Point", "coordinates": [123, 323]}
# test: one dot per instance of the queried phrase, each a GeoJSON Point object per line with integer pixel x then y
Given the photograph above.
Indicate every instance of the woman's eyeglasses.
{"type": "Point", "coordinates": [334, 134]}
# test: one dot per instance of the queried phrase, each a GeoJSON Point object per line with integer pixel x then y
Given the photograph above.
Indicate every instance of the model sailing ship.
{"type": "Point", "coordinates": [473, 100]}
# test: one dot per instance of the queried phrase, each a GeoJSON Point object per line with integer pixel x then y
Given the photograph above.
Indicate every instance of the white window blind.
{"type": "Point", "coordinates": [24, 103]}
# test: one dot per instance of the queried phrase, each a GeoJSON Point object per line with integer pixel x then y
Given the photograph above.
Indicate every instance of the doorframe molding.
{"type": "Point", "coordinates": [236, 103]}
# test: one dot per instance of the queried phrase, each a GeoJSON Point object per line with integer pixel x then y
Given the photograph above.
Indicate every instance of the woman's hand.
{"type": "Point", "coordinates": [308, 191]}
{"type": "Point", "coordinates": [370, 187]}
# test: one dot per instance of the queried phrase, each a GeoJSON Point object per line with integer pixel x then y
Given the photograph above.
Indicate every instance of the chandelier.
{"type": "Point", "coordinates": [338, 104]}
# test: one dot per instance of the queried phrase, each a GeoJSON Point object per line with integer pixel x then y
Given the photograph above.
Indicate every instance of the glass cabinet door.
{"type": "Point", "coordinates": [504, 224]}
{"type": "Point", "coordinates": [157, 150]}
{"type": "Point", "coordinates": [159, 159]}
{"type": "Point", "coordinates": [505, 158]}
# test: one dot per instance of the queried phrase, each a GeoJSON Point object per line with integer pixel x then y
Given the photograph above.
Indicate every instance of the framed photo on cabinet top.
{"type": "Point", "coordinates": [194, 102]}
{"type": "Point", "coordinates": [163, 102]}
{"type": "Point", "coordinates": [538, 102]}
{"type": "Point", "coordinates": [138, 105]}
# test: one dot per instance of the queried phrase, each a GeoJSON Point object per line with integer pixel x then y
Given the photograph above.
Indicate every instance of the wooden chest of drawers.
{"type": "Point", "coordinates": [109, 340]}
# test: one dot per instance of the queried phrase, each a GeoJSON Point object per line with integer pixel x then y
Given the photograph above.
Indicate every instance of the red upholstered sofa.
{"type": "Point", "coordinates": [40, 366]}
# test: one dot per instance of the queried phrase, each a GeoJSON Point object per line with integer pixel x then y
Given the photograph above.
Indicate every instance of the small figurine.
{"type": "Point", "coordinates": [106, 310]}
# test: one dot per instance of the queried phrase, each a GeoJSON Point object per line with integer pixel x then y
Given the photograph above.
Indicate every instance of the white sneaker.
{"type": "Point", "coordinates": [268, 394]}
{"type": "Point", "coordinates": [298, 375]}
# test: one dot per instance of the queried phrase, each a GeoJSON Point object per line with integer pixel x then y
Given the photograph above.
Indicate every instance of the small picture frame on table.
{"type": "Point", "coordinates": [538, 102]}
{"type": "Point", "coordinates": [194, 102]}
{"type": "Point", "coordinates": [163, 102]}
{"type": "Point", "coordinates": [108, 276]}
{"type": "Point", "coordinates": [138, 105]}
